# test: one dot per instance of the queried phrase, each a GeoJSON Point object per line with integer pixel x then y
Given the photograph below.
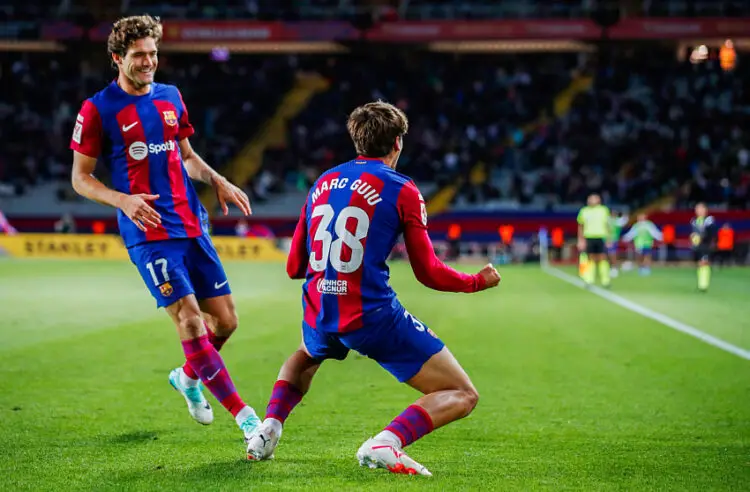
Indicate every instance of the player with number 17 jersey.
{"type": "Point", "coordinates": [140, 130]}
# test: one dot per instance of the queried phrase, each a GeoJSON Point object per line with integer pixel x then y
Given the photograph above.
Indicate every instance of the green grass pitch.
{"type": "Point", "coordinates": [576, 392]}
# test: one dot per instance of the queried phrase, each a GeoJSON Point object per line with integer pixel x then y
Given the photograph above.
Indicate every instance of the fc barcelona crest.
{"type": "Point", "coordinates": [170, 118]}
{"type": "Point", "coordinates": [166, 289]}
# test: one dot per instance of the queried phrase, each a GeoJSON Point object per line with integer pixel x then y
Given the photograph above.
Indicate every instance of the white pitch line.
{"type": "Point", "coordinates": [649, 313]}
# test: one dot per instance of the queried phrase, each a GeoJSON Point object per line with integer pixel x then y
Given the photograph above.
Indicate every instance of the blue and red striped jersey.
{"type": "Point", "coordinates": [349, 224]}
{"type": "Point", "coordinates": [137, 137]}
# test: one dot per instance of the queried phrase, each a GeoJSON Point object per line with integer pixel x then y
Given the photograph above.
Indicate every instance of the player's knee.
{"type": "Point", "coordinates": [191, 326]}
{"type": "Point", "coordinates": [227, 323]}
{"type": "Point", "coordinates": [470, 400]}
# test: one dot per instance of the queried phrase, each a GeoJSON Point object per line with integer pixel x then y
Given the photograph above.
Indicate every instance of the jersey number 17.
{"type": "Point", "coordinates": [331, 250]}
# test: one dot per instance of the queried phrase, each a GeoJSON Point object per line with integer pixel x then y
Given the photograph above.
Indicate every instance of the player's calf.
{"type": "Point", "coordinates": [206, 362]}
{"type": "Point", "coordinates": [220, 320]}
{"type": "Point", "coordinates": [449, 395]}
{"type": "Point", "coordinates": [294, 381]}
{"type": "Point", "coordinates": [221, 316]}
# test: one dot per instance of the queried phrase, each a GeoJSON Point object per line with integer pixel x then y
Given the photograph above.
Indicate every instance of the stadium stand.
{"type": "Point", "coordinates": [490, 132]}
{"type": "Point", "coordinates": [32, 111]}
{"type": "Point", "coordinates": [690, 122]}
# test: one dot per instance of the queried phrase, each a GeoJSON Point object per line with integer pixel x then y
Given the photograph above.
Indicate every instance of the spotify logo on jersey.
{"type": "Point", "coordinates": [138, 150]}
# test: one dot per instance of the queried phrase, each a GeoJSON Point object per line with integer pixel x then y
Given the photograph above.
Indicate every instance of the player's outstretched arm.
{"type": "Point", "coordinates": [199, 170]}
{"type": "Point", "coordinates": [631, 234]}
{"type": "Point", "coordinates": [296, 263]}
{"type": "Point", "coordinates": [427, 267]}
{"type": "Point", "coordinates": [655, 232]}
{"type": "Point", "coordinates": [134, 206]}
{"type": "Point", "coordinates": [435, 274]}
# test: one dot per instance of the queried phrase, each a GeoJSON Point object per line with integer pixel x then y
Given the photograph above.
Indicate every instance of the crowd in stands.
{"type": "Point", "coordinates": [226, 102]}
{"type": "Point", "coordinates": [291, 10]}
{"type": "Point", "coordinates": [650, 126]}
{"type": "Point", "coordinates": [462, 110]}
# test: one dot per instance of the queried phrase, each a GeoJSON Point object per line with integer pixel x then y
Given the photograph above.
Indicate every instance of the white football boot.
{"type": "Point", "coordinates": [261, 445]}
{"type": "Point", "coordinates": [197, 404]}
{"type": "Point", "coordinates": [385, 454]}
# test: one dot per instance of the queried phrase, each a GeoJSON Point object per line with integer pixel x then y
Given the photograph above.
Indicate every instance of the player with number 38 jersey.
{"type": "Point", "coordinates": [349, 224]}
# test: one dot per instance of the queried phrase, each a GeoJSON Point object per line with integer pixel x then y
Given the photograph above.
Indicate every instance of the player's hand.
{"type": "Point", "coordinates": [490, 276]}
{"type": "Point", "coordinates": [227, 192]}
{"type": "Point", "coordinates": [140, 212]}
{"type": "Point", "coordinates": [581, 245]}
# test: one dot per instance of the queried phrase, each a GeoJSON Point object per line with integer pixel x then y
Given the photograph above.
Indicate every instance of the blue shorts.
{"type": "Point", "coordinates": [175, 268]}
{"type": "Point", "coordinates": [401, 343]}
{"type": "Point", "coordinates": [612, 249]}
{"type": "Point", "coordinates": [643, 251]}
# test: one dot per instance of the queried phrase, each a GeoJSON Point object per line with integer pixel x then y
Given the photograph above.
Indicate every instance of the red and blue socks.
{"type": "Point", "coordinates": [191, 378]}
{"type": "Point", "coordinates": [206, 362]}
{"type": "Point", "coordinates": [284, 397]}
{"type": "Point", "coordinates": [413, 423]}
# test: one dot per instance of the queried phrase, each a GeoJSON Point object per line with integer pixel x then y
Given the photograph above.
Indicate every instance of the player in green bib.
{"type": "Point", "coordinates": [643, 234]}
{"type": "Point", "coordinates": [617, 221]}
{"type": "Point", "coordinates": [703, 238]}
{"type": "Point", "coordinates": [593, 233]}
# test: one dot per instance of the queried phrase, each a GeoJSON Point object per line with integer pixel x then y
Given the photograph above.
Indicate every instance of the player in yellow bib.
{"type": "Point", "coordinates": [593, 233]}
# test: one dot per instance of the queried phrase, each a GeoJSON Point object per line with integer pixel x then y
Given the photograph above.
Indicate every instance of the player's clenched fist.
{"type": "Point", "coordinates": [490, 276]}
{"type": "Point", "coordinates": [140, 212]}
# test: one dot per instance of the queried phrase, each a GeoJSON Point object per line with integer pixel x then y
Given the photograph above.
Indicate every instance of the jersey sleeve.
{"type": "Point", "coordinates": [412, 210]}
{"type": "Point", "coordinates": [87, 133]}
{"type": "Point", "coordinates": [712, 229]}
{"type": "Point", "coordinates": [580, 218]}
{"type": "Point", "coordinates": [631, 233]}
{"type": "Point", "coordinates": [427, 267]}
{"type": "Point", "coordinates": [654, 231]}
{"type": "Point", "coordinates": [185, 128]}
{"type": "Point", "coordinates": [297, 261]}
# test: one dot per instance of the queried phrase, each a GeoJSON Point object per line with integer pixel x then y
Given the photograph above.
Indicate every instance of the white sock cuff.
{"type": "Point", "coordinates": [187, 381]}
{"type": "Point", "coordinates": [243, 414]}
{"type": "Point", "coordinates": [389, 436]}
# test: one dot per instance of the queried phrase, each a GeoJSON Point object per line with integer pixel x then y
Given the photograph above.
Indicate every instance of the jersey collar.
{"type": "Point", "coordinates": [122, 92]}
{"type": "Point", "coordinates": [364, 160]}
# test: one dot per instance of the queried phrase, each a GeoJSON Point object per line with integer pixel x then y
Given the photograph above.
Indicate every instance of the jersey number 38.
{"type": "Point", "coordinates": [331, 250]}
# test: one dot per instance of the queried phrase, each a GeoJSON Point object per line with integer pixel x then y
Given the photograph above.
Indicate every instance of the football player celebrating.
{"type": "Point", "coordinates": [351, 220]}
{"type": "Point", "coordinates": [139, 129]}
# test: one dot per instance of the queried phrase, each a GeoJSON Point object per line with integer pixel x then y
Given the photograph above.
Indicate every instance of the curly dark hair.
{"type": "Point", "coordinates": [375, 126]}
{"type": "Point", "coordinates": [129, 29]}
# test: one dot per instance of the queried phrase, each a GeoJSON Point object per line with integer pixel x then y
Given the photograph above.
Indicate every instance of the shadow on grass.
{"type": "Point", "coordinates": [315, 473]}
{"type": "Point", "coordinates": [133, 437]}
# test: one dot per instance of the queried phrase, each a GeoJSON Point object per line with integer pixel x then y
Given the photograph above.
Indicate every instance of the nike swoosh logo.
{"type": "Point", "coordinates": [210, 378]}
{"type": "Point", "coordinates": [128, 127]}
{"type": "Point", "coordinates": [218, 285]}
